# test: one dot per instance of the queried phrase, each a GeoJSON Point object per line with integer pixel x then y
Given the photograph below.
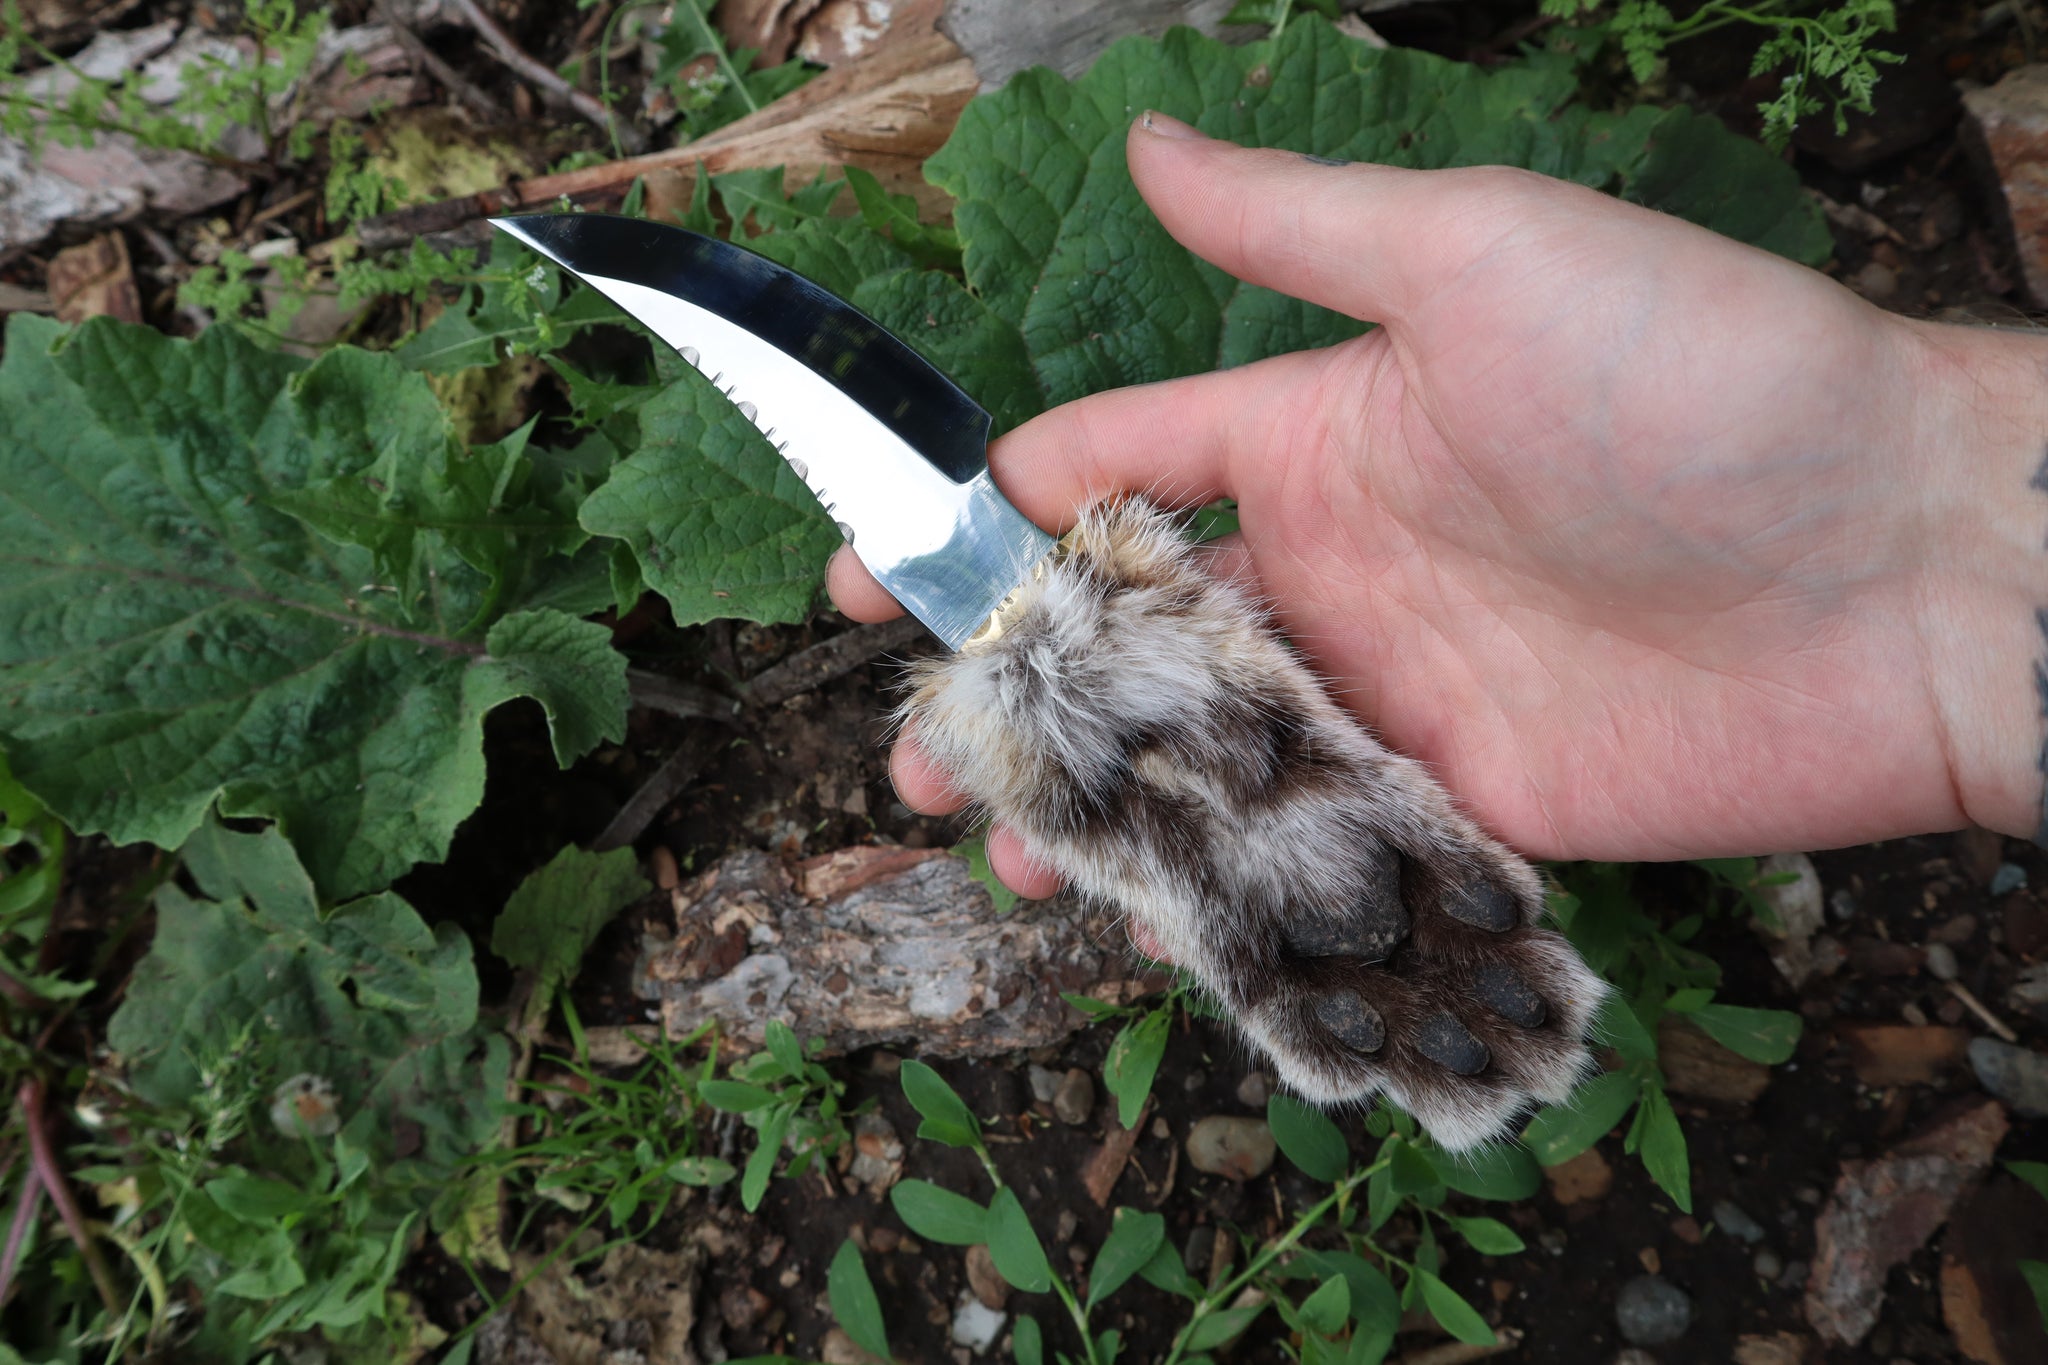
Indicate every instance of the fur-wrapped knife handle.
{"type": "Point", "coordinates": [1146, 730]}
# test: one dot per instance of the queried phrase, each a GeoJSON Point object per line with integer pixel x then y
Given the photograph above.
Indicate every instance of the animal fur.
{"type": "Point", "coordinates": [1144, 728]}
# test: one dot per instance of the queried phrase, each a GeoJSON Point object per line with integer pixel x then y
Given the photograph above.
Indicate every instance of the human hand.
{"type": "Point", "coordinates": [1651, 544]}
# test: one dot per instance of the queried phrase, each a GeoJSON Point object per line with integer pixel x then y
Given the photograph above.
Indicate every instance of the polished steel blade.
{"type": "Point", "coordinates": [892, 448]}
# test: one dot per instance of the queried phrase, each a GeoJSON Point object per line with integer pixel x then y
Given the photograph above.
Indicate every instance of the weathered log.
{"type": "Point", "coordinates": [880, 945]}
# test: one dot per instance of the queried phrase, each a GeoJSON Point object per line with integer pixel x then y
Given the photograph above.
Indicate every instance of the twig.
{"type": "Point", "coordinates": [168, 254]}
{"type": "Point", "coordinates": [656, 792]}
{"type": "Point", "coordinates": [1981, 1010]}
{"type": "Point", "coordinates": [453, 81]}
{"type": "Point", "coordinates": [821, 663]}
{"type": "Point", "coordinates": [25, 1210]}
{"type": "Point", "coordinates": [508, 52]}
{"type": "Point", "coordinates": [1462, 1353]}
{"type": "Point", "coordinates": [658, 693]}
{"type": "Point", "coordinates": [43, 1160]}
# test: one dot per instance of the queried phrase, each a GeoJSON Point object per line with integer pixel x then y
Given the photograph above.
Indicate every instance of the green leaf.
{"type": "Point", "coordinates": [767, 1151]}
{"type": "Point", "coordinates": [1014, 1247]}
{"type": "Point", "coordinates": [2035, 1173]}
{"type": "Point", "coordinates": [721, 525]}
{"type": "Point", "coordinates": [1167, 1271]}
{"type": "Point", "coordinates": [853, 1299]}
{"type": "Point", "coordinates": [2035, 1273]}
{"type": "Point", "coordinates": [1767, 1036]}
{"type": "Point", "coordinates": [1221, 1326]}
{"type": "Point", "coordinates": [946, 1116]}
{"type": "Point", "coordinates": [1617, 1025]}
{"type": "Point", "coordinates": [936, 248]}
{"type": "Point", "coordinates": [555, 914]}
{"type": "Point", "coordinates": [975, 851]}
{"type": "Point", "coordinates": [256, 1199]}
{"type": "Point", "coordinates": [1504, 1171]}
{"type": "Point", "coordinates": [1134, 1239]}
{"type": "Point", "coordinates": [1308, 1138]}
{"type": "Point", "coordinates": [700, 1170]}
{"type": "Point", "coordinates": [171, 637]}
{"type": "Point", "coordinates": [734, 1097]}
{"type": "Point", "coordinates": [939, 1215]}
{"type": "Point", "coordinates": [1325, 1310]}
{"type": "Point", "coordinates": [364, 995]}
{"type": "Point", "coordinates": [784, 1047]}
{"type": "Point", "coordinates": [1688, 1000]}
{"type": "Point", "coordinates": [1133, 1061]}
{"type": "Point", "coordinates": [1560, 1132]}
{"type": "Point", "coordinates": [1455, 1315]}
{"type": "Point", "coordinates": [262, 1262]}
{"type": "Point", "coordinates": [1487, 1236]}
{"type": "Point", "coordinates": [1411, 1171]}
{"type": "Point", "coordinates": [1027, 1342]}
{"type": "Point", "coordinates": [1662, 1145]}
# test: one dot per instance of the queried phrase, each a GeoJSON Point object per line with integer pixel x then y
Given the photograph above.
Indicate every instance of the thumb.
{"type": "Point", "coordinates": [1367, 240]}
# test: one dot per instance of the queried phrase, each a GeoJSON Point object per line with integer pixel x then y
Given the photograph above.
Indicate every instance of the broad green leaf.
{"type": "Point", "coordinates": [1167, 1271]}
{"type": "Point", "coordinates": [1560, 1132]}
{"type": "Point", "coordinates": [1767, 1036]}
{"type": "Point", "coordinates": [1014, 1247]}
{"type": "Point", "coordinates": [257, 1199]}
{"type": "Point", "coordinates": [1325, 1310]}
{"type": "Point", "coordinates": [1221, 1326]}
{"type": "Point", "coordinates": [1504, 1171]}
{"type": "Point", "coordinates": [1618, 1026]}
{"type": "Point", "coordinates": [2035, 1273]}
{"type": "Point", "coordinates": [259, 1257]}
{"type": "Point", "coordinates": [946, 1117]}
{"type": "Point", "coordinates": [721, 525]}
{"type": "Point", "coordinates": [854, 1304]}
{"type": "Point", "coordinates": [1134, 1238]}
{"type": "Point", "coordinates": [1133, 1061]}
{"type": "Point", "coordinates": [734, 1097]}
{"type": "Point", "coordinates": [975, 851]}
{"type": "Point", "coordinates": [896, 214]}
{"type": "Point", "coordinates": [939, 1215]}
{"type": "Point", "coordinates": [1487, 1236]}
{"type": "Point", "coordinates": [1661, 1143]}
{"type": "Point", "coordinates": [555, 914]}
{"type": "Point", "coordinates": [784, 1048]}
{"type": "Point", "coordinates": [364, 995]}
{"type": "Point", "coordinates": [1411, 1170]}
{"type": "Point", "coordinates": [172, 638]}
{"type": "Point", "coordinates": [1308, 1137]}
{"type": "Point", "coordinates": [1374, 1303]}
{"type": "Point", "coordinates": [1027, 1342]}
{"type": "Point", "coordinates": [1688, 1000]}
{"type": "Point", "coordinates": [700, 1170]}
{"type": "Point", "coordinates": [1455, 1315]}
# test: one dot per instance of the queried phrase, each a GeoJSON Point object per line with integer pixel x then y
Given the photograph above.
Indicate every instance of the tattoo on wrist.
{"type": "Point", "coordinates": [2040, 484]}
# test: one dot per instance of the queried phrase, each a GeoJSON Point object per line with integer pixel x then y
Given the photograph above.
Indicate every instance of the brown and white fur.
{"type": "Point", "coordinates": [1154, 740]}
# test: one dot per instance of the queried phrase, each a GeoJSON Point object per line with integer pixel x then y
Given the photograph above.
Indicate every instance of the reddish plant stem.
{"type": "Point", "coordinates": [25, 1210]}
{"type": "Point", "coordinates": [43, 1161]}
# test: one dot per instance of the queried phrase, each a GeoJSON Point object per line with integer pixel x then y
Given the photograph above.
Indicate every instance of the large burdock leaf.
{"type": "Point", "coordinates": [175, 632]}
{"type": "Point", "coordinates": [1071, 286]}
{"type": "Point", "coordinates": [363, 995]}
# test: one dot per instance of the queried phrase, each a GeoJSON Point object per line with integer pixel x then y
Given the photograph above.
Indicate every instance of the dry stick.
{"type": "Point", "coordinates": [506, 51]}
{"type": "Point", "coordinates": [25, 1210]}
{"type": "Point", "coordinates": [664, 786]}
{"type": "Point", "coordinates": [678, 698]}
{"type": "Point", "coordinates": [168, 254]}
{"type": "Point", "coordinates": [453, 81]}
{"type": "Point", "coordinates": [821, 663]}
{"type": "Point", "coordinates": [43, 1160]}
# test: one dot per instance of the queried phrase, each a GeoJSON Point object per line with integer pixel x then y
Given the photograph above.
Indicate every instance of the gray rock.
{"type": "Point", "coordinates": [1941, 962]}
{"type": "Point", "coordinates": [2009, 877]}
{"type": "Point", "coordinates": [1842, 905]}
{"type": "Point", "coordinates": [877, 1153]}
{"type": "Point", "coordinates": [1254, 1090]}
{"type": "Point", "coordinates": [1796, 904]}
{"type": "Point", "coordinates": [1074, 1101]}
{"type": "Point", "coordinates": [1651, 1311]}
{"type": "Point", "coordinates": [1768, 1264]}
{"type": "Point", "coordinates": [1234, 1148]}
{"type": "Point", "coordinates": [1730, 1218]}
{"type": "Point", "coordinates": [1045, 1082]}
{"type": "Point", "coordinates": [975, 1325]}
{"type": "Point", "coordinates": [2017, 1075]}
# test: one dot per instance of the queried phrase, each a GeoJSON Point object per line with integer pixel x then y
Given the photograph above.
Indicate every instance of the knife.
{"type": "Point", "coordinates": [1141, 723]}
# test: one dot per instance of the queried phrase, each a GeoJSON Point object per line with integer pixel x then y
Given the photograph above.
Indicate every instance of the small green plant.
{"type": "Point", "coordinates": [2035, 1273]}
{"type": "Point", "coordinates": [1826, 51]}
{"type": "Point", "coordinates": [789, 1100]}
{"type": "Point", "coordinates": [1135, 1053]}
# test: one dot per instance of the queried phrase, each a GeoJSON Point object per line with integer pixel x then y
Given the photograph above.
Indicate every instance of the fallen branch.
{"type": "Point", "coordinates": [539, 74]}
{"type": "Point", "coordinates": [424, 57]}
{"type": "Point", "coordinates": [809, 669]}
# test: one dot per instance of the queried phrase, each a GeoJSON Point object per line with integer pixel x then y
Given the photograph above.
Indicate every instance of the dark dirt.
{"type": "Point", "coordinates": [1914, 232]}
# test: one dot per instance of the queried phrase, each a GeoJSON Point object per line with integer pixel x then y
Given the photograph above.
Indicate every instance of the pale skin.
{"type": "Point", "coordinates": [1652, 545]}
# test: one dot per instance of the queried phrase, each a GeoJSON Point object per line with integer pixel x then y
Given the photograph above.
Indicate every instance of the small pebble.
{"type": "Point", "coordinates": [1554, 1241]}
{"type": "Point", "coordinates": [1941, 961]}
{"type": "Point", "coordinates": [1254, 1090]}
{"type": "Point", "coordinates": [1045, 1082]}
{"type": "Point", "coordinates": [1074, 1101]}
{"type": "Point", "coordinates": [1768, 1264]}
{"type": "Point", "coordinates": [1842, 905]}
{"type": "Point", "coordinates": [1650, 1311]}
{"type": "Point", "coordinates": [975, 1325]}
{"type": "Point", "coordinates": [1234, 1148]}
{"type": "Point", "coordinates": [668, 876]}
{"type": "Point", "coordinates": [1736, 1223]}
{"type": "Point", "coordinates": [1795, 1275]}
{"type": "Point", "coordinates": [987, 1283]}
{"type": "Point", "coordinates": [2009, 877]}
{"type": "Point", "coordinates": [2017, 1075]}
{"type": "Point", "coordinates": [1194, 1081]}
{"type": "Point", "coordinates": [1063, 1231]}
{"type": "Point", "coordinates": [1161, 1129]}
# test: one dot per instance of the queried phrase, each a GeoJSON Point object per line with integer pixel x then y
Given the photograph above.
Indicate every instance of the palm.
{"type": "Point", "coordinates": [1572, 547]}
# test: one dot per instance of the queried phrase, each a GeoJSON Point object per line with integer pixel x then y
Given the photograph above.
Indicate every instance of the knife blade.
{"type": "Point", "coordinates": [1139, 720]}
{"type": "Point", "coordinates": [893, 449]}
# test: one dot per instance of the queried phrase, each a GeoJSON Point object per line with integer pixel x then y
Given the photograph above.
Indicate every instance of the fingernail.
{"type": "Point", "coordinates": [1165, 125]}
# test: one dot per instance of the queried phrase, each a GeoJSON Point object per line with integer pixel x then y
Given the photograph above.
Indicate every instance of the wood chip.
{"type": "Point", "coordinates": [1899, 1054]}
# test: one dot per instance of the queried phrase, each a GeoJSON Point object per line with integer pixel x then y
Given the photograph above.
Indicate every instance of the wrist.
{"type": "Point", "coordinates": [1978, 478]}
